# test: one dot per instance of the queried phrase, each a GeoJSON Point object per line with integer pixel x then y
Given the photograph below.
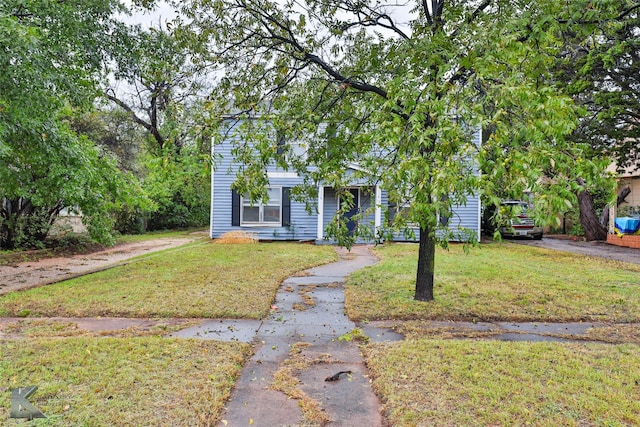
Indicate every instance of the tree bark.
{"type": "Point", "coordinates": [593, 230]}
{"type": "Point", "coordinates": [426, 266]}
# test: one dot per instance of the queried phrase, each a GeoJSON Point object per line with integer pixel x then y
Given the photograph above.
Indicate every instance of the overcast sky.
{"type": "Point", "coordinates": [162, 13]}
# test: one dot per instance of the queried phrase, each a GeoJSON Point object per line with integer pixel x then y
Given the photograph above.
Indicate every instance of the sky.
{"type": "Point", "coordinates": [163, 12]}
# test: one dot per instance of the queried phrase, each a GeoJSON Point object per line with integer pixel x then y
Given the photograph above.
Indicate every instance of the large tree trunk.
{"type": "Point", "coordinates": [593, 230]}
{"type": "Point", "coordinates": [426, 266]}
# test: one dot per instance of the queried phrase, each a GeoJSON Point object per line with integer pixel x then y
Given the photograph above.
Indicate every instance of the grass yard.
{"type": "Point", "coordinates": [425, 380]}
{"type": "Point", "coordinates": [432, 380]}
{"type": "Point", "coordinates": [436, 382]}
{"type": "Point", "coordinates": [497, 281]}
{"type": "Point", "coordinates": [203, 279]}
{"type": "Point", "coordinates": [121, 381]}
{"type": "Point", "coordinates": [139, 377]}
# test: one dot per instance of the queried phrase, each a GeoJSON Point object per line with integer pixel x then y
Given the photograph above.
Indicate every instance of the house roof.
{"type": "Point", "coordinates": [628, 172]}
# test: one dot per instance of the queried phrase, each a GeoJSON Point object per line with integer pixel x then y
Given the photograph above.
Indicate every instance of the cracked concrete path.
{"type": "Point", "coordinates": [308, 309]}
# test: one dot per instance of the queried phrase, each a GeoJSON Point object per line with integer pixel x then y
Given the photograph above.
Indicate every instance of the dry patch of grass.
{"type": "Point", "coordinates": [119, 382]}
{"type": "Point", "coordinates": [307, 300]}
{"type": "Point", "coordinates": [196, 281]}
{"type": "Point", "coordinates": [616, 334]}
{"type": "Point", "coordinates": [46, 328]}
{"type": "Point", "coordinates": [237, 237]}
{"type": "Point", "coordinates": [56, 249]}
{"type": "Point", "coordinates": [435, 382]}
{"type": "Point", "coordinates": [421, 330]}
{"type": "Point", "coordinates": [75, 244]}
{"type": "Point", "coordinates": [499, 281]}
{"type": "Point", "coordinates": [612, 334]}
{"type": "Point", "coordinates": [286, 381]}
{"type": "Point", "coordinates": [162, 234]}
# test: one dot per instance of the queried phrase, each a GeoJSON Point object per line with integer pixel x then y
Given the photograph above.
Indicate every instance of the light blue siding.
{"type": "Point", "coordinates": [330, 206]}
{"type": "Point", "coordinates": [303, 225]}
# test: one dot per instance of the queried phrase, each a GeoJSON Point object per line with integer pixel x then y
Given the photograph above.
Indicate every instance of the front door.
{"type": "Point", "coordinates": [352, 223]}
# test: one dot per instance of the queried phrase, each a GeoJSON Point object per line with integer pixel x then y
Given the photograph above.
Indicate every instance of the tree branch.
{"type": "Point", "coordinates": [427, 14]}
{"type": "Point", "coordinates": [148, 126]}
{"type": "Point", "coordinates": [620, 17]}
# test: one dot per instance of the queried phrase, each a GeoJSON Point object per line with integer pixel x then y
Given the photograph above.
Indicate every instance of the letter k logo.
{"type": "Point", "coordinates": [21, 407]}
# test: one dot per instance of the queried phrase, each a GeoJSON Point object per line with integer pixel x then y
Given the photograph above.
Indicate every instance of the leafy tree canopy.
{"type": "Point", "coordinates": [159, 87]}
{"type": "Point", "coordinates": [600, 67]}
{"type": "Point", "coordinates": [53, 54]}
{"type": "Point", "coordinates": [398, 88]}
{"type": "Point", "coordinates": [60, 170]}
{"type": "Point", "coordinates": [162, 91]}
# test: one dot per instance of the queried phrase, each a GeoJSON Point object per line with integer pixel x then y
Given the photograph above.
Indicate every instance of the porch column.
{"type": "Point", "coordinates": [612, 219]}
{"type": "Point", "coordinates": [213, 186]}
{"type": "Point", "coordinates": [378, 210]}
{"type": "Point", "coordinates": [320, 234]}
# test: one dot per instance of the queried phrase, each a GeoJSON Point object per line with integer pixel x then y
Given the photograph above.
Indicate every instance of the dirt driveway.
{"type": "Point", "coordinates": [50, 270]}
{"type": "Point", "coordinates": [596, 249]}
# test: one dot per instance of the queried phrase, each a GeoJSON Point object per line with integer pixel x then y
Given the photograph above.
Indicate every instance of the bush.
{"type": "Point", "coordinates": [130, 220]}
{"type": "Point", "coordinates": [179, 186]}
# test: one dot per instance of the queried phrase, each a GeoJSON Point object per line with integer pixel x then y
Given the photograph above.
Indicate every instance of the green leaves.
{"type": "Point", "coordinates": [599, 68]}
{"type": "Point", "coordinates": [400, 99]}
{"type": "Point", "coordinates": [394, 95]}
{"type": "Point", "coordinates": [53, 54]}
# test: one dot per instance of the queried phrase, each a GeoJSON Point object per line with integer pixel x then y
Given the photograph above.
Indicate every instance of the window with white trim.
{"type": "Point", "coordinates": [269, 213]}
{"type": "Point", "coordinates": [291, 149]}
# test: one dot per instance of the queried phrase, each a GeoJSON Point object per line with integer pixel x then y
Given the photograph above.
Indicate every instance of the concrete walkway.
{"type": "Point", "coordinates": [308, 309]}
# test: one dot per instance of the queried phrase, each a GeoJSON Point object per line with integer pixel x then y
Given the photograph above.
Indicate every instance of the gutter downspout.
{"type": "Point", "coordinates": [378, 210]}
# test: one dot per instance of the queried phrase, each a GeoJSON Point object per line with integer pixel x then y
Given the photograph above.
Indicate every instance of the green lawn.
{"type": "Point", "coordinates": [426, 380]}
{"type": "Point", "coordinates": [150, 381]}
{"type": "Point", "coordinates": [497, 281]}
{"type": "Point", "coordinates": [200, 280]}
{"type": "Point", "coordinates": [435, 382]}
{"type": "Point", "coordinates": [432, 380]}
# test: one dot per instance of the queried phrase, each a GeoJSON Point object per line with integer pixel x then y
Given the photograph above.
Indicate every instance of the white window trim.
{"type": "Point", "coordinates": [398, 209]}
{"type": "Point", "coordinates": [260, 205]}
{"type": "Point", "coordinates": [282, 175]}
